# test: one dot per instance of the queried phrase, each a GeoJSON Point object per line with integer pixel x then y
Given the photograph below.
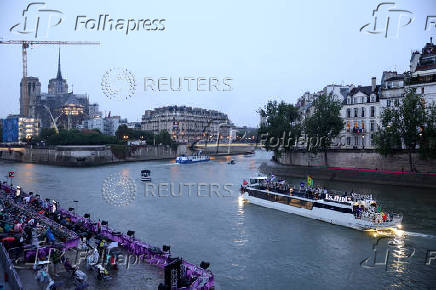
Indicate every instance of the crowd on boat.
{"type": "Point", "coordinates": [363, 206]}
{"type": "Point", "coordinates": [275, 184]}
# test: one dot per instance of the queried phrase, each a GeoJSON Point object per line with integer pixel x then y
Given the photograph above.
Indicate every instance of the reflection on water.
{"type": "Point", "coordinates": [240, 224]}
{"type": "Point", "coordinates": [248, 246]}
{"type": "Point", "coordinates": [401, 252]}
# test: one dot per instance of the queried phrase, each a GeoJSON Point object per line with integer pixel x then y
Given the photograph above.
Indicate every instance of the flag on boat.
{"type": "Point", "coordinates": [309, 181]}
{"type": "Point", "coordinates": [245, 182]}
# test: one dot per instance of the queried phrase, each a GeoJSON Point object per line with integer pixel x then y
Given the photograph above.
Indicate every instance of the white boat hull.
{"type": "Point", "coordinates": [326, 215]}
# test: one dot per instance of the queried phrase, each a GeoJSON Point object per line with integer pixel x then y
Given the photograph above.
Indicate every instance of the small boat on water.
{"type": "Point", "coordinates": [198, 157]}
{"type": "Point", "coordinates": [352, 210]}
{"type": "Point", "coordinates": [145, 175]}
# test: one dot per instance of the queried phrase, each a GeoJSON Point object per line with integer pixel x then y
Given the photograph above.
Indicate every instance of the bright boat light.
{"type": "Point", "coordinates": [240, 201]}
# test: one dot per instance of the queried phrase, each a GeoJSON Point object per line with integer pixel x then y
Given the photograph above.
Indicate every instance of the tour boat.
{"type": "Point", "coordinates": [354, 210]}
{"type": "Point", "coordinates": [145, 175]}
{"type": "Point", "coordinates": [192, 158]}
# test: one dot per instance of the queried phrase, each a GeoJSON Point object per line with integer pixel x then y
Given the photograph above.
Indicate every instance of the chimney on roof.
{"type": "Point", "coordinates": [373, 83]}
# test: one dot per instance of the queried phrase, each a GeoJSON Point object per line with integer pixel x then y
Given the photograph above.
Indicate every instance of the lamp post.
{"type": "Point", "coordinates": [218, 135]}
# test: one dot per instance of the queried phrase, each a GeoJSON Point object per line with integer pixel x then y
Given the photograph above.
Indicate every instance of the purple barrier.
{"type": "Point", "coordinates": [203, 279]}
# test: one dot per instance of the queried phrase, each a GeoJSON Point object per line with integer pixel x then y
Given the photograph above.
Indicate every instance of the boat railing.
{"type": "Point", "coordinates": [376, 217]}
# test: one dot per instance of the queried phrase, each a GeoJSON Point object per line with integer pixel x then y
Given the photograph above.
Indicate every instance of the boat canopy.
{"type": "Point", "coordinates": [145, 171]}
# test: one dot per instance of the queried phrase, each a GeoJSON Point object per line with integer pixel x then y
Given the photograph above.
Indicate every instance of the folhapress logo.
{"type": "Point", "coordinates": [387, 20]}
{"type": "Point", "coordinates": [37, 19]}
{"type": "Point", "coordinates": [106, 23]}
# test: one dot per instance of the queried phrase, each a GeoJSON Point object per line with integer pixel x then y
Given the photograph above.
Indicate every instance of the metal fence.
{"type": "Point", "coordinates": [14, 280]}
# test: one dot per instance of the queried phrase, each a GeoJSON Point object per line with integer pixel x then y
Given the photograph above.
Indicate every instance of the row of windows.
{"type": "Point", "coordinates": [389, 102]}
{"type": "Point", "coordinates": [360, 140]}
{"type": "Point", "coordinates": [360, 100]}
{"type": "Point", "coordinates": [361, 113]}
{"type": "Point", "coordinates": [360, 125]}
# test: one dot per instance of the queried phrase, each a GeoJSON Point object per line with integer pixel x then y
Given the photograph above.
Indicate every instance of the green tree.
{"type": "Point", "coordinates": [402, 126]}
{"type": "Point", "coordinates": [280, 129]}
{"type": "Point", "coordinates": [122, 131]}
{"type": "Point", "coordinates": [324, 124]}
{"type": "Point", "coordinates": [76, 137]}
{"type": "Point", "coordinates": [46, 132]}
{"type": "Point", "coordinates": [427, 134]}
{"type": "Point", "coordinates": [164, 138]}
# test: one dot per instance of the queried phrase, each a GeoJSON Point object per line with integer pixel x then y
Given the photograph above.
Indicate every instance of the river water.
{"type": "Point", "coordinates": [248, 247]}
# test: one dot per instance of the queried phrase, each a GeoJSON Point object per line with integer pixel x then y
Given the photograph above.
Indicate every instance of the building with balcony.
{"type": "Point", "coordinates": [392, 89]}
{"type": "Point", "coordinates": [361, 114]}
{"type": "Point", "coordinates": [423, 72]}
{"type": "Point", "coordinates": [186, 124]}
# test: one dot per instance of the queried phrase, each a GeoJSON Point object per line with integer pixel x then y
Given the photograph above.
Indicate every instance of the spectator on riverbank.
{"type": "Point", "coordinates": [49, 235]}
{"type": "Point", "coordinates": [99, 226]}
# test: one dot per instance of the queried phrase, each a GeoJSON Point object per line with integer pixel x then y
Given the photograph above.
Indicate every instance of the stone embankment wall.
{"type": "Point", "coordinates": [362, 159]}
{"type": "Point", "coordinates": [356, 166]}
{"type": "Point", "coordinates": [87, 155]}
{"type": "Point", "coordinates": [91, 155]}
{"type": "Point", "coordinates": [224, 149]}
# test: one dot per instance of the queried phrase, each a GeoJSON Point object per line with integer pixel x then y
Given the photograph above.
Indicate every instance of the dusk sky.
{"type": "Point", "coordinates": [270, 49]}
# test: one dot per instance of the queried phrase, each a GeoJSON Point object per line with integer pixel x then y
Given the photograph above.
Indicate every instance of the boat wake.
{"type": "Point", "coordinates": [413, 234]}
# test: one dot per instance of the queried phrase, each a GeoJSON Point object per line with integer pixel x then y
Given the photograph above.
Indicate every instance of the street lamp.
{"type": "Point", "coordinates": [218, 135]}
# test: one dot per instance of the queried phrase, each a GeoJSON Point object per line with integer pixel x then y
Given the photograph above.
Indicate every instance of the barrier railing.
{"type": "Point", "coordinates": [14, 280]}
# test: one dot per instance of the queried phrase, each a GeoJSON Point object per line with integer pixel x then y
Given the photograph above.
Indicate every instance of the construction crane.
{"type": "Point", "coordinates": [25, 44]}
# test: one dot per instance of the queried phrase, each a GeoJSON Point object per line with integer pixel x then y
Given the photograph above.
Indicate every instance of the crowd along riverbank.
{"type": "Point", "coordinates": [26, 214]}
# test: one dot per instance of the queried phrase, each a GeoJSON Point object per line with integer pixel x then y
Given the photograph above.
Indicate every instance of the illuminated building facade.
{"type": "Point", "coordinates": [17, 129]}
